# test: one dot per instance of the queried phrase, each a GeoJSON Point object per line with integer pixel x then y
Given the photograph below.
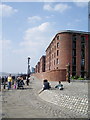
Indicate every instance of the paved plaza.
{"type": "Point", "coordinates": [72, 102]}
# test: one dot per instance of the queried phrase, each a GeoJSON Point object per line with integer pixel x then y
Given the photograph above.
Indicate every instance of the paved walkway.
{"type": "Point", "coordinates": [73, 99]}
{"type": "Point", "coordinates": [72, 102]}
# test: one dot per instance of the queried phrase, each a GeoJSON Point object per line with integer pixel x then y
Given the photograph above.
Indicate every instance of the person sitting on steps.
{"type": "Point", "coordinates": [59, 86]}
{"type": "Point", "coordinates": [46, 85]}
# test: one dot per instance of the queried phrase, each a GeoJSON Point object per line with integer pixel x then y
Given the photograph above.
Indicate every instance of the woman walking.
{"type": "Point", "coordinates": [9, 81]}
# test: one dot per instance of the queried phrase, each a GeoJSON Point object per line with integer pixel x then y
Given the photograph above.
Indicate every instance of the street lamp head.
{"type": "Point", "coordinates": [28, 57]}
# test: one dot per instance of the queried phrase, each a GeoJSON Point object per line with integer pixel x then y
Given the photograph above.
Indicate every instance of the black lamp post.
{"type": "Point", "coordinates": [28, 71]}
{"type": "Point", "coordinates": [68, 72]}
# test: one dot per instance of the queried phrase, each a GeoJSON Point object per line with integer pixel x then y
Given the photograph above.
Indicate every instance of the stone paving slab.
{"type": "Point", "coordinates": [72, 102]}
{"type": "Point", "coordinates": [74, 97]}
{"type": "Point", "coordinates": [76, 105]}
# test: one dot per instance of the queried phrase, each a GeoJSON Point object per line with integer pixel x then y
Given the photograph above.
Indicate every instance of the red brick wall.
{"type": "Point", "coordinates": [86, 55]}
{"type": "Point", "coordinates": [42, 64]}
{"type": "Point", "coordinates": [65, 52]}
{"type": "Point", "coordinates": [54, 75]}
{"type": "Point", "coordinates": [38, 67]}
{"type": "Point", "coordinates": [65, 55]}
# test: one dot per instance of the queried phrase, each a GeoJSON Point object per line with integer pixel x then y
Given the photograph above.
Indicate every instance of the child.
{"type": "Point", "coordinates": [15, 85]}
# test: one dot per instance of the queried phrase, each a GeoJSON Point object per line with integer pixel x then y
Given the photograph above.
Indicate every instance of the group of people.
{"type": "Point", "coordinates": [16, 83]}
{"type": "Point", "coordinates": [19, 82]}
{"type": "Point", "coordinates": [46, 85]}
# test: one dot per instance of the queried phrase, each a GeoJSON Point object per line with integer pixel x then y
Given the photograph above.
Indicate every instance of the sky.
{"type": "Point", "coordinates": [28, 28]}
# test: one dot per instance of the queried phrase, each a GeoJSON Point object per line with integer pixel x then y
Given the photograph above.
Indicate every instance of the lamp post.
{"type": "Point", "coordinates": [28, 71]}
{"type": "Point", "coordinates": [68, 72]}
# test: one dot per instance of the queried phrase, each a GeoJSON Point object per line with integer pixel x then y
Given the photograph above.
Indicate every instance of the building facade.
{"type": "Point", "coordinates": [69, 47]}
{"type": "Point", "coordinates": [38, 67]}
{"type": "Point", "coordinates": [42, 63]}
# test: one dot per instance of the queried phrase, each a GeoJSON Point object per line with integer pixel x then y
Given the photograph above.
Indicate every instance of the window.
{"type": "Point", "coordinates": [82, 54]}
{"type": "Point", "coordinates": [82, 62]}
{"type": "Point", "coordinates": [82, 39]}
{"type": "Point", "coordinates": [49, 67]}
{"type": "Point", "coordinates": [82, 46]}
{"type": "Point", "coordinates": [74, 53]}
{"type": "Point", "coordinates": [73, 68]}
{"type": "Point", "coordinates": [74, 61]}
{"type": "Point", "coordinates": [74, 45]}
{"type": "Point", "coordinates": [74, 37]}
{"type": "Point", "coordinates": [58, 45]}
{"type": "Point", "coordinates": [57, 52]}
{"type": "Point", "coordinates": [55, 47]}
{"type": "Point", "coordinates": [73, 73]}
{"type": "Point", "coordinates": [54, 54]}
{"type": "Point", "coordinates": [54, 62]}
{"type": "Point", "coordinates": [57, 62]}
{"type": "Point", "coordinates": [58, 37]}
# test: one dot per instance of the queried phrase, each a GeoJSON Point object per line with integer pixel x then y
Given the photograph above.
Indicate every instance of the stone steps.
{"type": "Point", "coordinates": [72, 103]}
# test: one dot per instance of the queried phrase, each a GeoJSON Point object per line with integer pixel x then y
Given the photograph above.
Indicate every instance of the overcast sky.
{"type": "Point", "coordinates": [28, 28]}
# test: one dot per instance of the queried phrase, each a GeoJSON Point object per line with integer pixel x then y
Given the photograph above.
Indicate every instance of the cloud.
{"type": "Point", "coordinates": [47, 7]}
{"type": "Point", "coordinates": [36, 38]}
{"type": "Point", "coordinates": [33, 44]}
{"type": "Point", "coordinates": [81, 3]}
{"type": "Point", "coordinates": [36, 31]}
{"type": "Point", "coordinates": [35, 41]}
{"type": "Point", "coordinates": [34, 19]}
{"type": "Point", "coordinates": [58, 7]}
{"type": "Point", "coordinates": [6, 10]}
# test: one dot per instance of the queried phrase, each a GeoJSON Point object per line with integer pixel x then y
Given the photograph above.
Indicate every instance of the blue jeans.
{"type": "Point", "coordinates": [9, 85]}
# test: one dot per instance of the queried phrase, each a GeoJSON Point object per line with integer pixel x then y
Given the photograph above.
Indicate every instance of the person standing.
{"type": "Point", "coordinates": [28, 80]}
{"type": "Point", "coordinates": [15, 85]}
{"type": "Point", "coordinates": [9, 81]}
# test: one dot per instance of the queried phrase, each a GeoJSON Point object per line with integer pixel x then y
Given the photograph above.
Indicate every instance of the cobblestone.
{"type": "Point", "coordinates": [72, 102]}
{"type": "Point", "coordinates": [75, 103]}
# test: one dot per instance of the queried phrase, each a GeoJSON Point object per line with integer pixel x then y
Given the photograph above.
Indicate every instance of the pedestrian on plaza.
{"type": "Point", "coordinates": [46, 85]}
{"type": "Point", "coordinates": [15, 85]}
{"type": "Point", "coordinates": [59, 86]}
{"type": "Point", "coordinates": [5, 81]}
{"type": "Point", "coordinates": [4, 84]}
{"type": "Point", "coordinates": [28, 80]}
{"type": "Point", "coordinates": [9, 81]}
{"type": "Point", "coordinates": [2, 79]}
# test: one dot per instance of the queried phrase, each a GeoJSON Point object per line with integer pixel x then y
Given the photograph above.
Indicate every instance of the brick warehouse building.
{"type": "Point", "coordinates": [69, 47]}
{"type": "Point", "coordinates": [40, 67]}
{"type": "Point", "coordinates": [42, 63]}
